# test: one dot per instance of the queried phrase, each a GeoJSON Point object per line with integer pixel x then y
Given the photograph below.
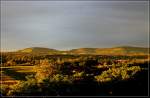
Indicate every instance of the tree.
{"type": "Point", "coordinates": [44, 70]}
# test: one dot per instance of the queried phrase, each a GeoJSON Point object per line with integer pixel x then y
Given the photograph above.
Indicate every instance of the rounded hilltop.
{"type": "Point", "coordinates": [122, 50]}
{"type": "Point", "coordinates": [38, 50]}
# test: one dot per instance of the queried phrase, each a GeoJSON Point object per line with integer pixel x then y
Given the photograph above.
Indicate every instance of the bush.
{"type": "Point", "coordinates": [119, 73]}
{"type": "Point", "coordinates": [24, 88]}
{"type": "Point", "coordinates": [4, 89]}
{"type": "Point", "coordinates": [44, 70]}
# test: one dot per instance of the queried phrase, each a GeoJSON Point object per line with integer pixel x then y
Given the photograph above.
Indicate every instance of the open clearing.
{"type": "Point", "coordinates": [13, 74]}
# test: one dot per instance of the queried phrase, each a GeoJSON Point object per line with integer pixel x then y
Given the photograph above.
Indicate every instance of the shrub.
{"type": "Point", "coordinates": [44, 70]}
{"type": "Point", "coordinates": [119, 73]}
{"type": "Point", "coordinates": [24, 88]}
{"type": "Point", "coordinates": [4, 89]}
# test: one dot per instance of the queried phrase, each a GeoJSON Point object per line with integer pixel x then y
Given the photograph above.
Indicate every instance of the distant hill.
{"type": "Point", "coordinates": [111, 51]}
{"type": "Point", "coordinates": [39, 50]}
{"type": "Point", "coordinates": [123, 50]}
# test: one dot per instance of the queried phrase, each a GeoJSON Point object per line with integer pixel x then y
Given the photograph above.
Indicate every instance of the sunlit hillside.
{"type": "Point", "coordinates": [126, 50]}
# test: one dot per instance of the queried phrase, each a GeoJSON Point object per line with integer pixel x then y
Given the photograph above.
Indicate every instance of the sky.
{"type": "Point", "coordinates": [66, 25]}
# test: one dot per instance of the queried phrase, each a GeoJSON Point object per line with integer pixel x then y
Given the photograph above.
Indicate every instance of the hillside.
{"type": "Point", "coordinates": [111, 51]}
{"type": "Point", "coordinates": [124, 50]}
{"type": "Point", "coordinates": [39, 50]}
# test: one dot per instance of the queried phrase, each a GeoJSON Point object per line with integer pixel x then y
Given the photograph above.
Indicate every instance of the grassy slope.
{"type": "Point", "coordinates": [39, 50]}
{"type": "Point", "coordinates": [101, 51]}
{"type": "Point", "coordinates": [111, 51]}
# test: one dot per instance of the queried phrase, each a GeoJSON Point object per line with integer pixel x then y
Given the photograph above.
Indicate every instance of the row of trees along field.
{"type": "Point", "coordinates": [79, 75]}
{"type": "Point", "coordinates": [9, 59]}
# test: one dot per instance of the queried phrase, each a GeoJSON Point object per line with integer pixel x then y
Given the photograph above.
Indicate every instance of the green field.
{"type": "Point", "coordinates": [13, 74]}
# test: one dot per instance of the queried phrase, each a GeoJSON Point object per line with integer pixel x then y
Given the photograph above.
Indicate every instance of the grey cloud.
{"type": "Point", "coordinates": [64, 24]}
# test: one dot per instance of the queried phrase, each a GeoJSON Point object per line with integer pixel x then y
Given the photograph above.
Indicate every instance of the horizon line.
{"type": "Point", "coordinates": [15, 50]}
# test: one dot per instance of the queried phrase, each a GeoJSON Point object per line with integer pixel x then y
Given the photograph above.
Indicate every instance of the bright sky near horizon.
{"type": "Point", "coordinates": [66, 25]}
